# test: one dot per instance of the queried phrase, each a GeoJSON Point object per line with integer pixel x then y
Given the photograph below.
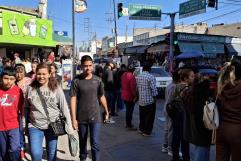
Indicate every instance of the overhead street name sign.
{"type": "Point", "coordinates": [144, 12]}
{"type": "Point", "coordinates": [191, 8]}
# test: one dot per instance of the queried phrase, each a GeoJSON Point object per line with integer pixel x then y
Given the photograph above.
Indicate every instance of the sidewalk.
{"type": "Point", "coordinates": [119, 144]}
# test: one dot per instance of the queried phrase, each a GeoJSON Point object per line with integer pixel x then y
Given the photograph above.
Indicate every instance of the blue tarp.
{"type": "Point", "coordinates": [191, 54]}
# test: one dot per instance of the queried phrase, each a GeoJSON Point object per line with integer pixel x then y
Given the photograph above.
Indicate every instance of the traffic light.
{"type": "Point", "coordinates": [212, 3]}
{"type": "Point", "coordinates": [120, 9]}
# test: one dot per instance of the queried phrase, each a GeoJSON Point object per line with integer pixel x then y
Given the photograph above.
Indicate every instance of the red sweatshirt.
{"type": "Point", "coordinates": [11, 108]}
{"type": "Point", "coordinates": [128, 86]}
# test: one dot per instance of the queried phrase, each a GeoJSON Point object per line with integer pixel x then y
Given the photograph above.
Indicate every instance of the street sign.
{"type": "Point", "coordinates": [192, 7]}
{"type": "Point", "coordinates": [144, 12]}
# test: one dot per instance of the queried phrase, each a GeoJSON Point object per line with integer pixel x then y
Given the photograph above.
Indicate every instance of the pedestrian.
{"type": "Point", "coordinates": [194, 100]}
{"type": "Point", "coordinates": [129, 94]}
{"type": "Point", "coordinates": [147, 92]}
{"type": "Point", "coordinates": [168, 129]}
{"type": "Point", "coordinates": [11, 109]}
{"type": "Point", "coordinates": [7, 62]}
{"type": "Point", "coordinates": [54, 74]}
{"type": "Point", "coordinates": [32, 74]}
{"type": "Point", "coordinates": [85, 112]}
{"type": "Point", "coordinates": [47, 88]}
{"type": "Point", "coordinates": [186, 79]}
{"type": "Point", "coordinates": [23, 82]}
{"type": "Point", "coordinates": [228, 143]}
{"type": "Point", "coordinates": [109, 86]}
{"type": "Point", "coordinates": [17, 59]}
{"type": "Point", "coordinates": [51, 57]}
{"type": "Point", "coordinates": [117, 77]}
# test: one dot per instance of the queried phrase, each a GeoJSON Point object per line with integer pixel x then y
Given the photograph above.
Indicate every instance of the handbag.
{"type": "Point", "coordinates": [57, 127]}
{"type": "Point", "coordinates": [73, 145]}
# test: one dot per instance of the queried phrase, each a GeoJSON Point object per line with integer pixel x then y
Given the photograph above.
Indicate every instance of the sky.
{"type": "Point", "coordinates": [99, 11]}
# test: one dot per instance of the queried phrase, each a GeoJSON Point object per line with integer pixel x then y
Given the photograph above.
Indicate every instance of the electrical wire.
{"type": "Point", "coordinates": [234, 11]}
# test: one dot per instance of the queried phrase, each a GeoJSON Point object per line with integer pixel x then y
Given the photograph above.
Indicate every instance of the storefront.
{"type": "Point", "coordinates": [24, 34]}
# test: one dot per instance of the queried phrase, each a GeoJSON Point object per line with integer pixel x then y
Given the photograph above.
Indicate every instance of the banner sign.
{"type": "Point", "coordinates": [18, 28]}
{"type": "Point", "coordinates": [67, 73]}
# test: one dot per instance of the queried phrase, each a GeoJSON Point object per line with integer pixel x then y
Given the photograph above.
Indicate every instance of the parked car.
{"type": "Point", "coordinates": [163, 78]}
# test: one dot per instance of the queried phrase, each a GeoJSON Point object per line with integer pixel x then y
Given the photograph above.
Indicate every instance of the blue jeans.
{"type": "Point", "coordinates": [36, 137]}
{"type": "Point", "coordinates": [201, 153]}
{"type": "Point", "coordinates": [94, 140]}
{"type": "Point", "coordinates": [110, 97]}
{"type": "Point", "coordinates": [10, 145]}
{"type": "Point", "coordinates": [119, 101]}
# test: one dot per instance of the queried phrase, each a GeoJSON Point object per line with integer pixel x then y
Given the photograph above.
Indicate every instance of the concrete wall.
{"type": "Point", "coordinates": [195, 28]}
{"type": "Point", "coordinates": [152, 31]}
{"type": "Point", "coordinates": [226, 30]}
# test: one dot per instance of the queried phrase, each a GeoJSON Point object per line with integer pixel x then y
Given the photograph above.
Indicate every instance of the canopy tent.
{"type": "Point", "coordinates": [191, 54]}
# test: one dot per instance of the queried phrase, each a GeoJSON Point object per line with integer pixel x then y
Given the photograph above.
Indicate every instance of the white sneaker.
{"type": "Point", "coordinates": [169, 153]}
{"type": "Point", "coordinates": [164, 149]}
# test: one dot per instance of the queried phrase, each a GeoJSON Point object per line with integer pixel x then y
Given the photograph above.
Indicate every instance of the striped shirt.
{"type": "Point", "coordinates": [146, 84]}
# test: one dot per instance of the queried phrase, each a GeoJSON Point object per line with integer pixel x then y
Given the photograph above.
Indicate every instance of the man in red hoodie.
{"type": "Point", "coordinates": [11, 111]}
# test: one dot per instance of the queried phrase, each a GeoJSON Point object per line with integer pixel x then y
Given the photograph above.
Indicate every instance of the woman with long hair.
{"type": "Point", "coordinates": [194, 100]}
{"type": "Point", "coordinates": [23, 82]}
{"type": "Point", "coordinates": [228, 143]}
{"type": "Point", "coordinates": [45, 89]}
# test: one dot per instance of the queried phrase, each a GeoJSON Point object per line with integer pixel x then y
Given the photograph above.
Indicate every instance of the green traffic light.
{"type": "Point", "coordinates": [120, 14]}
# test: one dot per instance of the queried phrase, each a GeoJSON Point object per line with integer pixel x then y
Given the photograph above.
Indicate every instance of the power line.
{"type": "Point", "coordinates": [238, 10]}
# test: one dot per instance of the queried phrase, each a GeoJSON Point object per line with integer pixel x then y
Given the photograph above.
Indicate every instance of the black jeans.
{"type": "Point", "coordinates": [147, 117]}
{"type": "Point", "coordinates": [129, 111]}
{"type": "Point", "coordinates": [178, 140]}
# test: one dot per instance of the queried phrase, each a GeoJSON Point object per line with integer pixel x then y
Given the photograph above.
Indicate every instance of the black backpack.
{"type": "Point", "coordinates": [175, 106]}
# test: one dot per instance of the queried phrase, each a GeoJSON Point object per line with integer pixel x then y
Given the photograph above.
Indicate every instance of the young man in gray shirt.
{"type": "Point", "coordinates": [87, 90]}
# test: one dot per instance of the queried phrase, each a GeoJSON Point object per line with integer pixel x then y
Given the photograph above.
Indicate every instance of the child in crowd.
{"type": "Point", "coordinates": [11, 111]}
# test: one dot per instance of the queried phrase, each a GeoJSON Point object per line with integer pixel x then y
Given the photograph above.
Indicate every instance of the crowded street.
{"type": "Point", "coordinates": [120, 80]}
{"type": "Point", "coordinates": [127, 145]}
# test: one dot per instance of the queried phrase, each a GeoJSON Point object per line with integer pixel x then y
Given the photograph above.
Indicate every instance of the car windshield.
{"type": "Point", "coordinates": [159, 72]}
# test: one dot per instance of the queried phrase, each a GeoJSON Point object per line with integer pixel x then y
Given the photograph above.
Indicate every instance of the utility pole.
{"type": "Point", "coordinates": [172, 30]}
{"type": "Point", "coordinates": [115, 29]}
{"type": "Point", "coordinates": [73, 28]}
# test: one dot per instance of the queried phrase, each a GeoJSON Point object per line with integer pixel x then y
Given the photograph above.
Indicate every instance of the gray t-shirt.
{"type": "Point", "coordinates": [87, 93]}
{"type": "Point", "coordinates": [56, 105]}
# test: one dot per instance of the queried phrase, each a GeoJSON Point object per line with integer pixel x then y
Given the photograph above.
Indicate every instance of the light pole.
{"type": "Point", "coordinates": [73, 28]}
{"type": "Point", "coordinates": [172, 30]}
{"type": "Point", "coordinates": [115, 29]}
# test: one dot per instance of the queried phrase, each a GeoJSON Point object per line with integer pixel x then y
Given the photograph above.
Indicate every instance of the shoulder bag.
{"type": "Point", "coordinates": [58, 127]}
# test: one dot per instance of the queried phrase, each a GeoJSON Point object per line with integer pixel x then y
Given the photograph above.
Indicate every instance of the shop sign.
{"type": "Point", "coordinates": [192, 7]}
{"type": "Point", "coordinates": [67, 73]}
{"type": "Point", "coordinates": [149, 41]}
{"type": "Point", "coordinates": [23, 29]}
{"type": "Point", "coordinates": [61, 33]}
{"type": "Point", "coordinates": [200, 38]}
{"type": "Point", "coordinates": [144, 12]}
